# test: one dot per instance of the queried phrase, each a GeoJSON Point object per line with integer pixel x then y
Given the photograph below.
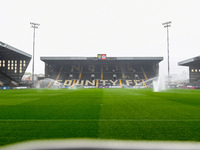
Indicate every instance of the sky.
{"type": "Point", "coordinates": [118, 28]}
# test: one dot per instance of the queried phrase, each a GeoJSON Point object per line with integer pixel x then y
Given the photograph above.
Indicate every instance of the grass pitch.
{"type": "Point", "coordinates": [125, 114]}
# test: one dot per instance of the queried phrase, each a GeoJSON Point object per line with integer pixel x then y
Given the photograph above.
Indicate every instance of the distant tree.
{"type": "Point", "coordinates": [27, 73]}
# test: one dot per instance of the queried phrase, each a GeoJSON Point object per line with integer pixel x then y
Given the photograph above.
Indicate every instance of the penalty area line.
{"type": "Point", "coordinates": [99, 120]}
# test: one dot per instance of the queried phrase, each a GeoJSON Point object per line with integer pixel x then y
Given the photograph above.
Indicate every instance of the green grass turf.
{"type": "Point", "coordinates": [125, 114]}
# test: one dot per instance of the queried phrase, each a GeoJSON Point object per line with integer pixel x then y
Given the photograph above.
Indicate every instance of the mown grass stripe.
{"type": "Point", "coordinates": [100, 120]}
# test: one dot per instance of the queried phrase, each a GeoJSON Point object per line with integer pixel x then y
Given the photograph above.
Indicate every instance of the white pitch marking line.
{"type": "Point", "coordinates": [99, 120]}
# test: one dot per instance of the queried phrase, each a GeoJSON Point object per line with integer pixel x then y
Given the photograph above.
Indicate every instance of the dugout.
{"type": "Point", "coordinates": [13, 64]}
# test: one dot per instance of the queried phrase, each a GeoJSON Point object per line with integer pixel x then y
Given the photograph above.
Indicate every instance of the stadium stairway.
{"type": "Point", "coordinates": [7, 80]}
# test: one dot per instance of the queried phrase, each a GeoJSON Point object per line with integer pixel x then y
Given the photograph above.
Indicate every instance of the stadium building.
{"type": "Point", "coordinates": [194, 69]}
{"type": "Point", "coordinates": [100, 71]}
{"type": "Point", "coordinates": [13, 64]}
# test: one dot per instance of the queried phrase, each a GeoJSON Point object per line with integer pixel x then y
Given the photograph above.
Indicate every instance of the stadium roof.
{"type": "Point", "coordinates": [96, 58]}
{"type": "Point", "coordinates": [10, 51]}
{"type": "Point", "coordinates": [189, 62]}
{"type": "Point", "coordinates": [11, 68]}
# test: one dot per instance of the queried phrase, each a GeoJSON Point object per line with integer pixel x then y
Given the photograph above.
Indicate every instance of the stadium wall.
{"type": "Point", "coordinates": [114, 71]}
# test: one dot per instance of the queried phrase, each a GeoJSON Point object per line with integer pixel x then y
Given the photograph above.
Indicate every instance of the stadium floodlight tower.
{"type": "Point", "coordinates": [167, 25]}
{"type": "Point", "coordinates": [34, 26]}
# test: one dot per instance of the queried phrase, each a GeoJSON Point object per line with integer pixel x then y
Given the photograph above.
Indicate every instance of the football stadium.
{"type": "Point", "coordinates": [104, 98]}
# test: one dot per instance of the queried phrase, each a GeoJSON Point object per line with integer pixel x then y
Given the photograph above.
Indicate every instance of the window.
{"type": "Point", "coordinates": [195, 70]}
{"type": "Point", "coordinates": [20, 69]}
{"type": "Point", "coordinates": [0, 63]}
{"type": "Point", "coordinates": [8, 64]}
{"type": "Point", "coordinates": [24, 63]}
{"type": "Point", "coordinates": [3, 63]}
{"type": "Point", "coordinates": [192, 70]}
{"type": "Point", "coordinates": [15, 69]}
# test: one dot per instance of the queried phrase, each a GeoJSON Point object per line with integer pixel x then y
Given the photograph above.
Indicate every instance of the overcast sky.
{"type": "Point", "coordinates": [130, 28]}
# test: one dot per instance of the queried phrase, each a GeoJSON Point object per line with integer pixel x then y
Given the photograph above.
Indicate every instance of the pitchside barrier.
{"type": "Point", "coordinates": [193, 87]}
{"type": "Point", "coordinates": [4, 88]}
{"type": "Point", "coordinates": [112, 87]}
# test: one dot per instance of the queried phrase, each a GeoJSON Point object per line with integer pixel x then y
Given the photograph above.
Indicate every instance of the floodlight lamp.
{"type": "Point", "coordinates": [34, 23]}
{"type": "Point", "coordinates": [166, 23]}
{"type": "Point", "coordinates": [34, 26]}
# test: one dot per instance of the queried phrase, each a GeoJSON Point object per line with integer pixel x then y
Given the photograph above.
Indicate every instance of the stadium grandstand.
{"type": "Point", "coordinates": [13, 64]}
{"type": "Point", "coordinates": [194, 69]}
{"type": "Point", "coordinates": [100, 71]}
